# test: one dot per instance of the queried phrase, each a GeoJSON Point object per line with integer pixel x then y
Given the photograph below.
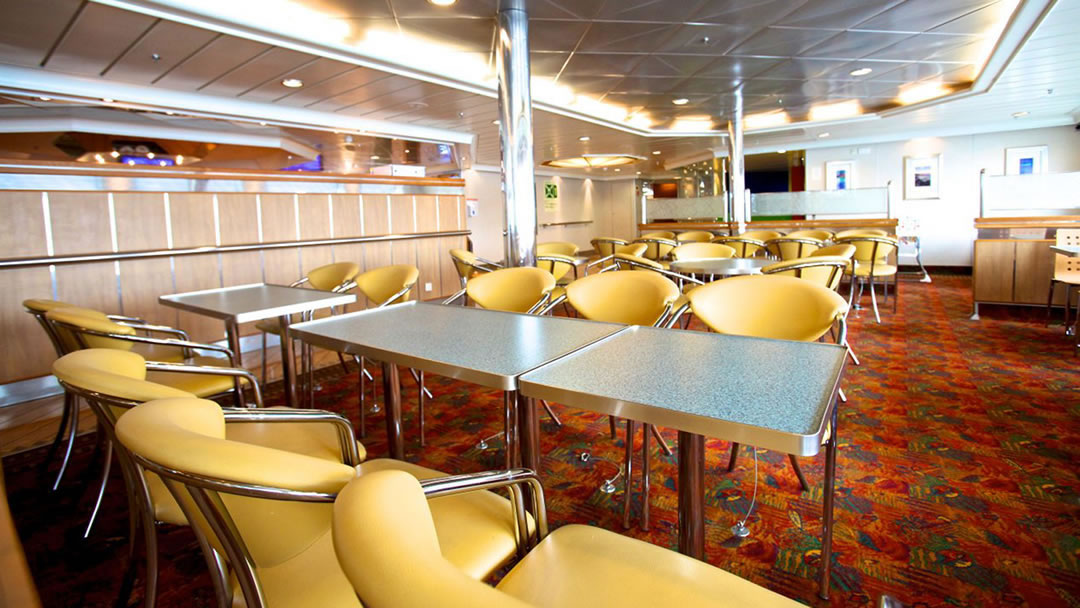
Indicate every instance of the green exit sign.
{"type": "Point", "coordinates": [551, 190]}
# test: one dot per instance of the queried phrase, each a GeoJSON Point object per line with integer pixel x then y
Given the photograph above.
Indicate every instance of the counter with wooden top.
{"type": "Point", "coordinates": [1013, 262]}
{"type": "Point", "coordinates": [835, 225]}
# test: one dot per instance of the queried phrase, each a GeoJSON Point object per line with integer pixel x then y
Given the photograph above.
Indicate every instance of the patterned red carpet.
{"type": "Point", "coordinates": [957, 484]}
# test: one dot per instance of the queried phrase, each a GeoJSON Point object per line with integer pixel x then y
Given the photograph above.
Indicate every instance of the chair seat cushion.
{"type": "Point", "coordinates": [586, 566]}
{"type": "Point", "coordinates": [317, 439]}
{"type": "Point", "coordinates": [862, 269]}
{"type": "Point", "coordinates": [475, 529]}
{"type": "Point", "coordinates": [311, 578]}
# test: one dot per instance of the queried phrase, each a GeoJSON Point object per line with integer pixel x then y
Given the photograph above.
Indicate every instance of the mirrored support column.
{"type": "Point", "coordinates": [515, 132]}
{"type": "Point", "coordinates": [736, 166]}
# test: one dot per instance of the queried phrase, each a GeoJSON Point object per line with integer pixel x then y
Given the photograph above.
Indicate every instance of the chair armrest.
{"type": "Point", "coordinates": [678, 315]}
{"type": "Point", "coordinates": [539, 303]}
{"type": "Point", "coordinates": [454, 297]}
{"type": "Point", "coordinates": [553, 304]}
{"type": "Point", "coordinates": [126, 319]}
{"type": "Point", "coordinates": [599, 261]}
{"type": "Point", "coordinates": [488, 263]}
{"type": "Point", "coordinates": [207, 370]}
{"type": "Point", "coordinates": [168, 342]}
{"type": "Point", "coordinates": [346, 436]}
{"type": "Point", "coordinates": [157, 329]}
{"type": "Point", "coordinates": [510, 479]}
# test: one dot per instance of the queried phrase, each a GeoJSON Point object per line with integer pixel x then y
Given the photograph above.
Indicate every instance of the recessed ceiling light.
{"type": "Point", "coordinates": [921, 92]}
{"type": "Point", "coordinates": [681, 101]}
{"type": "Point", "coordinates": [617, 170]}
{"type": "Point", "coordinates": [442, 2]}
{"type": "Point", "coordinates": [836, 111]}
{"type": "Point", "coordinates": [1020, 114]}
{"type": "Point", "coordinates": [169, 112]}
{"type": "Point", "coordinates": [45, 98]}
{"type": "Point", "coordinates": [106, 100]}
{"type": "Point", "coordinates": [822, 135]}
{"type": "Point", "coordinates": [114, 154]}
{"type": "Point", "coordinates": [656, 152]}
{"type": "Point", "coordinates": [638, 173]}
{"type": "Point", "coordinates": [262, 123]}
{"type": "Point", "coordinates": [292, 83]}
{"type": "Point", "coordinates": [781, 151]}
{"type": "Point", "coordinates": [150, 155]}
{"type": "Point", "coordinates": [99, 158]}
{"type": "Point", "coordinates": [861, 71]}
{"type": "Point", "coordinates": [494, 122]}
{"type": "Point", "coordinates": [584, 138]}
{"type": "Point", "coordinates": [374, 157]}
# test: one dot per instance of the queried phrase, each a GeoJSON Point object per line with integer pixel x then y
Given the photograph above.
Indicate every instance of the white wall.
{"type": "Point", "coordinates": [609, 205]}
{"type": "Point", "coordinates": [945, 225]}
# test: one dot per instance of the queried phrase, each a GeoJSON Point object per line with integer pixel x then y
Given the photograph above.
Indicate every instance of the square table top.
{"type": "Point", "coordinates": [486, 347]}
{"type": "Point", "coordinates": [244, 303]}
{"type": "Point", "coordinates": [774, 394]}
{"type": "Point", "coordinates": [1073, 251]}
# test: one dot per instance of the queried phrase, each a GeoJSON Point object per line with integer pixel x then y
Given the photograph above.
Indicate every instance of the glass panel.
{"type": "Point", "coordinates": [1030, 195]}
{"type": "Point", "coordinates": [821, 202]}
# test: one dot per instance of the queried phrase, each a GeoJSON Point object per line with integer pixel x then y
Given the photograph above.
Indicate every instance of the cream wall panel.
{"type": "Point", "coordinates": [278, 217]}
{"type": "Point", "coordinates": [238, 219]}
{"type": "Point", "coordinates": [314, 216]}
{"type": "Point", "coordinates": [141, 283]}
{"type": "Point", "coordinates": [427, 260]}
{"type": "Point", "coordinates": [376, 215]}
{"type": "Point", "coordinates": [346, 215]}
{"type": "Point", "coordinates": [195, 272]}
{"type": "Point", "coordinates": [402, 215]}
{"type": "Point", "coordinates": [27, 351]}
{"type": "Point", "coordinates": [448, 213]}
{"type": "Point", "coordinates": [192, 217]}
{"type": "Point", "coordinates": [282, 266]}
{"type": "Point", "coordinates": [80, 222]}
{"type": "Point", "coordinates": [88, 285]}
{"type": "Point", "coordinates": [426, 213]}
{"type": "Point", "coordinates": [140, 221]}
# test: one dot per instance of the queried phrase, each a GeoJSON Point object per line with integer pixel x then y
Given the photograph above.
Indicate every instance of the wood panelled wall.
{"type": "Point", "coordinates": [99, 222]}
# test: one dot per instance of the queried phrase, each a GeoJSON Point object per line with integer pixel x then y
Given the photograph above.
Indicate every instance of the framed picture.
{"type": "Point", "coordinates": [1030, 160]}
{"type": "Point", "coordinates": [922, 177]}
{"type": "Point", "coordinates": [840, 175]}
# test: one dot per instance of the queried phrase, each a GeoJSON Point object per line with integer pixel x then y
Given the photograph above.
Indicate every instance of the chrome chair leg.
{"type": "Point", "coordinates": [611, 425]}
{"type": "Point", "coordinates": [360, 381]}
{"type": "Point", "coordinates": [551, 413]}
{"type": "Point", "coordinates": [630, 428]}
{"type": "Point", "coordinates": [896, 292]}
{"type": "Point", "coordinates": [420, 381]}
{"type": "Point", "coordinates": [420, 407]}
{"type": "Point", "coordinates": [798, 473]}
{"type": "Point", "coordinates": [65, 418]}
{"type": "Point", "coordinates": [1050, 301]}
{"type": "Point", "coordinates": [150, 539]}
{"type": "Point", "coordinates": [264, 358]}
{"type": "Point", "coordinates": [660, 440]}
{"type": "Point", "coordinates": [71, 440]}
{"type": "Point", "coordinates": [873, 300]}
{"type": "Point", "coordinates": [106, 469]}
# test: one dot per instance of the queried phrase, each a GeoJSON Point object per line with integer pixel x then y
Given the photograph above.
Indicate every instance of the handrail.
{"type": "Point", "coordinates": [164, 253]}
{"type": "Point", "coordinates": [574, 223]}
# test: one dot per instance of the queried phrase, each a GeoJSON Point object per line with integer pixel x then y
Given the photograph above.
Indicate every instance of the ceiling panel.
{"type": "Point", "coordinates": [213, 60]}
{"type": "Point", "coordinates": [99, 35]}
{"type": "Point", "coordinates": [330, 87]}
{"type": "Point", "coordinates": [558, 36]}
{"type": "Point", "coordinates": [704, 39]}
{"type": "Point", "coordinates": [977, 22]}
{"type": "Point", "coordinates": [922, 46]}
{"type": "Point", "coordinates": [274, 63]}
{"type": "Point", "coordinates": [454, 34]}
{"type": "Point", "coordinates": [922, 16]}
{"type": "Point", "coordinates": [362, 93]}
{"type": "Point", "coordinates": [835, 15]}
{"type": "Point", "coordinates": [736, 67]}
{"type": "Point", "coordinates": [170, 42]}
{"type": "Point", "coordinates": [782, 42]}
{"type": "Point", "coordinates": [854, 45]}
{"type": "Point", "coordinates": [410, 9]}
{"type": "Point", "coordinates": [639, 38]}
{"type": "Point", "coordinates": [28, 29]}
{"type": "Point", "coordinates": [310, 74]}
{"type": "Point", "coordinates": [751, 14]}
{"type": "Point", "coordinates": [802, 69]}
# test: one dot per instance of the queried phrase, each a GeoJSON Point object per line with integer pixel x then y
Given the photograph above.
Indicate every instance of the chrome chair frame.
{"type": "Point", "coordinates": [657, 242]}
{"type": "Point", "coordinates": [814, 263]}
{"type": "Point", "coordinates": [878, 242]}
{"type": "Point", "coordinates": [727, 240]}
{"type": "Point", "coordinates": [481, 265]}
{"type": "Point", "coordinates": [772, 246]}
{"type": "Point", "coordinates": [553, 260]}
{"type": "Point", "coordinates": [205, 493]}
{"type": "Point", "coordinates": [140, 503]}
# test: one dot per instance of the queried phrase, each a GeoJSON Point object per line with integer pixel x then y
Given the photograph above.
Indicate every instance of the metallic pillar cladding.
{"type": "Point", "coordinates": [516, 132]}
{"type": "Point", "coordinates": [736, 165]}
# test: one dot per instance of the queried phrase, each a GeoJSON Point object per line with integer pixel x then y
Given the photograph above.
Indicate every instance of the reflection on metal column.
{"type": "Point", "coordinates": [515, 133]}
{"type": "Point", "coordinates": [736, 166]}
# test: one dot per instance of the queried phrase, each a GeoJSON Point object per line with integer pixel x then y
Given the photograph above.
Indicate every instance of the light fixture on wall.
{"type": "Point", "coordinates": [589, 161]}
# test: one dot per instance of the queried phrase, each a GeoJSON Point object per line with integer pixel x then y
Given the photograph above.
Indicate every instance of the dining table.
{"type": "Point", "coordinates": [255, 302]}
{"type": "Point", "coordinates": [486, 347]}
{"type": "Point", "coordinates": [773, 394]}
{"type": "Point", "coordinates": [721, 267]}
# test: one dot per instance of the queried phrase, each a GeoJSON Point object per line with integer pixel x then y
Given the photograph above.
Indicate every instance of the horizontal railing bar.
{"type": "Point", "coordinates": [164, 253]}
{"type": "Point", "coordinates": [566, 223]}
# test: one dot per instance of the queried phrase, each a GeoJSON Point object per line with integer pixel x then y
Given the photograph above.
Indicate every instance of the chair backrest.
{"type": "Point", "coordinates": [701, 251]}
{"type": "Point", "coordinates": [843, 234]}
{"type": "Point", "coordinates": [694, 236]}
{"type": "Point", "coordinates": [605, 245]}
{"type": "Point", "coordinates": [844, 250]}
{"type": "Point", "coordinates": [389, 284]}
{"type": "Point", "coordinates": [386, 543]}
{"type": "Point", "coordinates": [557, 264]}
{"type": "Point", "coordinates": [761, 235]}
{"type": "Point", "coordinates": [744, 247]}
{"type": "Point", "coordinates": [625, 261]}
{"type": "Point", "coordinates": [465, 262]}
{"type": "Point", "coordinates": [822, 270]}
{"type": "Point", "coordinates": [39, 308]}
{"type": "Point", "coordinates": [768, 306]}
{"type": "Point", "coordinates": [557, 248]}
{"type": "Point", "coordinates": [821, 235]}
{"type": "Point", "coordinates": [511, 289]}
{"type": "Point", "coordinates": [791, 248]}
{"type": "Point", "coordinates": [332, 276]}
{"type": "Point", "coordinates": [636, 249]}
{"type": "Point", "coordinates": [657, 248]}
{"type": "Point", "coordinates": [1063, 264]}
{"type": "Point", "coordinates": [634, 298]}
{"type": "Point", "coordinates": [659, 234]}
{"type": "Point", "coordinates": [116, 375]}
{"type": "Point", "coordinates": [239, 497]}
{"type": "Point", "coordinates": [77, 327]}
{"type": "Point", "coordinates": [871, 249]}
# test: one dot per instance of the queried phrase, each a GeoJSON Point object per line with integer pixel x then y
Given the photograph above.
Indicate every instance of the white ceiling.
{"type": "Point", "coordinates": [636, 54]}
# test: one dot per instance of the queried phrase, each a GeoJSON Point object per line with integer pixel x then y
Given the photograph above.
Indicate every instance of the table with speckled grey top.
{"type": "Point", "coordinates": [773, 394]}
{"type": "Point", "coordinates": [485, 347]}
{"type": "Point", "coordinates": [255, 302]}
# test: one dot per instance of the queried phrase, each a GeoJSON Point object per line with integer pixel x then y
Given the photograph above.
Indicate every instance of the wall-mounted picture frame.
{"type": "Point", "coordinates": [840, 175]}
{"type": "Point", "coordinates": [1028, 160]}
{"type": "Point", "coordinates": [922, 177]}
